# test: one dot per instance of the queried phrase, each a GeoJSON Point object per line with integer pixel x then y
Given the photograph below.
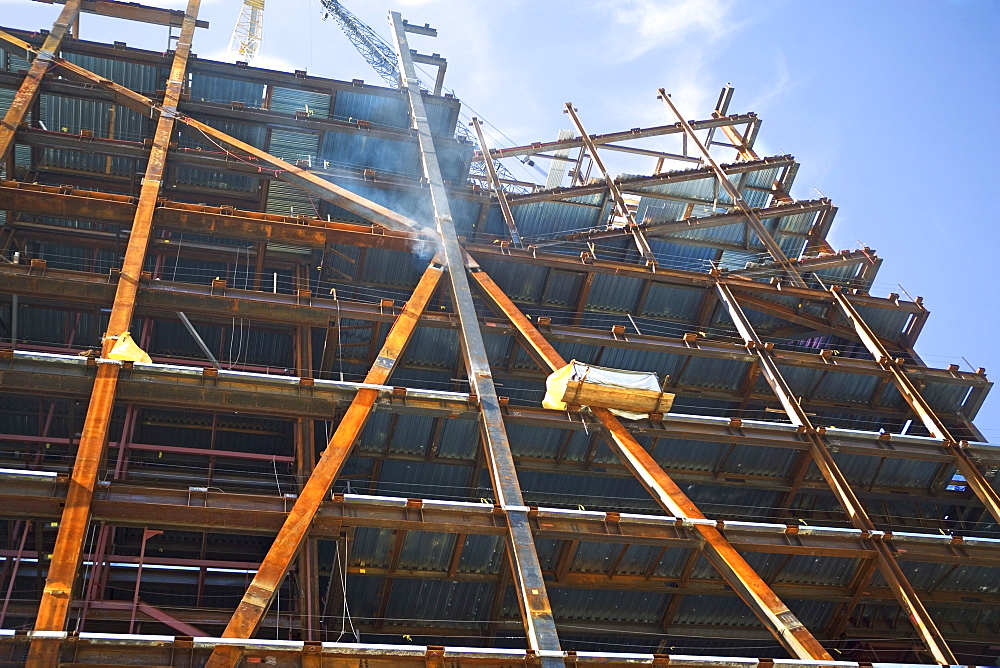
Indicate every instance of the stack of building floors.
{"type": "Point", "coordinates": [339, 448]}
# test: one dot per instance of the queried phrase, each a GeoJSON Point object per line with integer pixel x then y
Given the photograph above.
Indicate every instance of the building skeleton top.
{"type": "Point", "coordinates": [678, 282]}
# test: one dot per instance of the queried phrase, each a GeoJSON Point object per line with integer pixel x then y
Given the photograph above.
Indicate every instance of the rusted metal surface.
{"type": "Point", "coordinates": [28, 91]}
{"type": "Point", "coordinates": [637, 133]}
{"type": "Point", "coordinates": [180, 652]}
{"type": "Point", "coordinates": [839, 485]}
{"type": "Point", "coordinates": [774, 614]}
{"type": "Point", "coordinates": [133, 11]}
{"type": "Point", "coordinates": [282, 170]}
{"type": "Point", "coordinates": [296, 527]}
{"type": "Point", "coordinates": [66, 556]}
{"type": "Point", "coordinates": [498, 190]}
{"type": "Point", "coordinates": [966, 465]}
{"type": "Point", "coordinates": [623, 211]}
{"type": "Point", "coordinates": [723, 177]}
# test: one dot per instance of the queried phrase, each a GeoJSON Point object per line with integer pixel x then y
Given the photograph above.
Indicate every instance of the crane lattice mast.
{"type": "Point", "coordinates": [249, 30]}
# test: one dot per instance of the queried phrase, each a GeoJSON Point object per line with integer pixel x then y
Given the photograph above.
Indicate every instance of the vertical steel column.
{"type": "Point", "coordinates": [28, 91]}
{"type": "Point", "coordinates": [839, 484]}
{"type": "Point", "coordinates": [539, 626]}
{"type": "Point", "coordinates": [616, 194]}
{"type": "Point", "coordinates": [295, 530]}
{"type": "Point", "coordinates": [966, 466]}
{"type": "Point", "coordinates": [754, 221]}
{"type": "Point", "coordinates": [772, 612]}
{"type": "Point", "coordinates": [57, 595]}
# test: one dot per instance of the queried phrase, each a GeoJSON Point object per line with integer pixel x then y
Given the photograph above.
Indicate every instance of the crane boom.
{"type": "Point", "coordinates": [382, 57]}
{"type": "Point", "coordinates": [375, 50]}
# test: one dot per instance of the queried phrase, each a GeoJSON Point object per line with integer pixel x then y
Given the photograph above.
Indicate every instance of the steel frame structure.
{"type": "Point", "coordinates": [92, 501]}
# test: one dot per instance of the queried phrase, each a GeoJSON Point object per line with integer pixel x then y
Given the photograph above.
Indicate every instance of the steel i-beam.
{"type": "Point", "coordinates": [533, 600]}
{"type": "Point", "coordinates": [637, 234]}
{"type": "Point", "coordinates": [28, 91]}
{"type": "Point", "coordinates": [838, 482]}
{"type": "Point", "coordinates": [774, 614]}
{"type": "Point", "coordinates": [295, 530]}
{"type": "Point", "coordinates": [752, 219]}
{"type": "Point", "coordinates": [283, 171]}
{"type": "Point", "coordinates": [966, 466]}
{"type": "Point", "coordinates": [58, 592]}
{"type": "Point", "coordinates": [491, 170]}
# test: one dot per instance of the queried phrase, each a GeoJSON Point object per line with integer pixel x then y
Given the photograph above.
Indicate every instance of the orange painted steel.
{"type": "Point", "coordinates": [774, 614]}
{"type": "Point", "coordinates": [839, 484]}
{"type": "Point", "coordinates": [58, 592]}
{"type": "Point", "coordinates": [295, 529]}
{"type": "Point", "coordinates": [28, 91]}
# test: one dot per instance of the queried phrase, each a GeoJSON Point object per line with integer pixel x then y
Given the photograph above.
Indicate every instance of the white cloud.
{"type": "Point", "coordinates": [655, 23]}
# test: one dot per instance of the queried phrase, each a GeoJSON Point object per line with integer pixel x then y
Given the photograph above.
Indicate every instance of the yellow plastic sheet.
{"type": "Point", "coordinates": [555, 387]}
{"type": "Point", "coordinates": [127, 350]}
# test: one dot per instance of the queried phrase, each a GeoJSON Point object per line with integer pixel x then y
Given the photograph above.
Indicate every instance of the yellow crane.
{"type": "Point", "coordinates": [249, 30]}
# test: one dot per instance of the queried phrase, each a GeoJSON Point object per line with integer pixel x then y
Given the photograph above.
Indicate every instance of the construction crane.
{"type": "Point", "coordinates": [382, 57]}
{"type": "Point", "coordinates": [249, 31]}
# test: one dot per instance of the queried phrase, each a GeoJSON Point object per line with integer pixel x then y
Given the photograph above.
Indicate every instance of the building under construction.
{"type": "Point", "coordinates": [274, 350]}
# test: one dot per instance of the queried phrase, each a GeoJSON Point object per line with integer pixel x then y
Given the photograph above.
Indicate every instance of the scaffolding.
{"type": "Point", "coordinates": [338, 455]}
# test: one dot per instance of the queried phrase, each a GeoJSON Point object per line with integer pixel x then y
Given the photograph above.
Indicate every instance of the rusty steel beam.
{"type": "Point", "coordinates": [68, 288]}
{"type": "Point", "coordinates": [133, 11]}
{"type": "Point", "coordinates": [130, 505]}
{"type": "Point", "coordinates": [616, 194]}
{"type": "Point", "coordinates": [532, 597]}
{"type": "Point", "coordinates": [491, 170]}
{"type": "Point", "coordinates": [282, 170]}
{"type": "Point", "coordinates": [670, 276]}
{"type": "Point", "coordinates": [746, 152]}
{"type": "Point", "coordinates": [723, 178]}
{"type": "Point", "coordinates": [817, 263]}
{"type": "Point", "coordinates": [958, 450]}
{"type": "Point", "coordinates": [772, 612]}
{"type": "Point", "coordinates": [58, 593]}
{"type": "Point", "coordinates": [28, 91]}
{"type": "Point", "coordinates": [295, 529]}
{"type": "Point", "coordinates": [839, 485]}
{"type": "Point", "coordinates": [634, 133]}
{"type": "Point", "coordinates": [281, 397]}
{"type": "Point", "coordinates": [666, 229]}
{"type": "Point", "coordinates": [201, 219]}
{"type": "Point", "coordinates": [311, 183]}
{"type": "Point", "coordinates": [636, 184]}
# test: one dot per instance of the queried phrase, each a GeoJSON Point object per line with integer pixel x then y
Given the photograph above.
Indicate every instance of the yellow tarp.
{"type": "Point", "coordinates": [127, 350]}
{"type": "Point", "coordinates": [555, 388]}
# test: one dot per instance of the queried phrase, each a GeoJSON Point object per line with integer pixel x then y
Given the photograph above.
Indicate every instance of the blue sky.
{"type": "Point", "coordinates": [888, 105]}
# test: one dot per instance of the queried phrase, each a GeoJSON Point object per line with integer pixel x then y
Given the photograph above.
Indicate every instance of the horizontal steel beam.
{"type": "Point", "coordinates": [27, 495]}
{"type": "Point", "coordinates": [637, 184]}
{"type": "Point", "coordinates": [133, 11]}
{"type": "Point", "coordinates": [115, 649]}
{"type": "Point", "coordinates": [284, 396]}
{"type": "Point", "coordinates": [634, 133]}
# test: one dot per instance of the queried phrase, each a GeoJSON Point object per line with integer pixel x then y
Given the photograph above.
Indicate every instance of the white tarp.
{"type": "Point", "coordinates": [555, 384]}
